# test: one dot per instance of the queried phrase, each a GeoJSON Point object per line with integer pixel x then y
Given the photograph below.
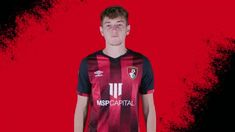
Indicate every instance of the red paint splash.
{"type": "Point", "coordinates": [37, 90]}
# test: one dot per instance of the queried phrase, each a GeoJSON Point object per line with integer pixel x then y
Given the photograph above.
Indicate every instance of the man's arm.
{"type": "Point", "coordinates": [149, 112]}
{"type": "Point", "coordinates": [80, 113]}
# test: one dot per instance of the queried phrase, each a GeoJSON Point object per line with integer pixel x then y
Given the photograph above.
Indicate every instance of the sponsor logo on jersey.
{"type": "Point", "coordinates": [132, 72]}
{"type": "Point", "coordinates": [98, 73]}
{"type": "Point", "coordinates": [115, 102]}
{"type": "Point", "coordinates": [115, 90]}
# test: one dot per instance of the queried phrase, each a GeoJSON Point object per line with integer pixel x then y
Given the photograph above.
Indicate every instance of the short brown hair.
{"type": "Point", "coordinates": [114, 12]}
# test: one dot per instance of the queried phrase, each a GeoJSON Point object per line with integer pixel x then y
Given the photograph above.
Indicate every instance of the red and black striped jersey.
{"type": "Point", "coordinates": [113, 85]}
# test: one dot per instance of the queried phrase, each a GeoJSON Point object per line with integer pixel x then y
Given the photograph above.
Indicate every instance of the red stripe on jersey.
{"type": "Point", "coordinates": [94, 114]}
{"type": "Point", "coordinates": [104, 66]}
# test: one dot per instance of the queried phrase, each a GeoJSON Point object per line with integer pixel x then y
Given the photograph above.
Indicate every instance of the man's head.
{"type": "Point", "coordinates": [114, 25]}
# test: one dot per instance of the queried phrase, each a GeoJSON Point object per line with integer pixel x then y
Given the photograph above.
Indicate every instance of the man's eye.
{"type": "Point", "coordinates": [120, 25]}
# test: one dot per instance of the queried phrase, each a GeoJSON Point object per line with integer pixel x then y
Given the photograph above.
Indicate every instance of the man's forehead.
{"type": "Point", "coordinates": [110, 20]}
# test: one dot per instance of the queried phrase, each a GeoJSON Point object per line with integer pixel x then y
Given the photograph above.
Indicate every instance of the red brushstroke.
{"type": "Point", "coordinates": [181, 39]}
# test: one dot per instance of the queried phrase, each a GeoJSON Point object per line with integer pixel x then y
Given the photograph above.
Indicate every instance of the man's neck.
{"type": "Point", "coordinates": [115, 51]}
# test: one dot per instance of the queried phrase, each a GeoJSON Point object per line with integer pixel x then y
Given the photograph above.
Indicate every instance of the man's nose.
{"type": "Point", "coordinates": [114, 27]}
{"type": "Point", "coordinates": [114, 30]}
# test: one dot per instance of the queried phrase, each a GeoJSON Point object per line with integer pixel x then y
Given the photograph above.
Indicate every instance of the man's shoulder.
{"type": "Point", "coordinates": [92, 55]}
{"type": "Point", "coordinates": [138, 54]}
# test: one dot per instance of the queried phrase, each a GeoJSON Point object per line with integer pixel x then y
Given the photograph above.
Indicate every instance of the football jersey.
{"type": "Point", "coordinates": [113, 86]}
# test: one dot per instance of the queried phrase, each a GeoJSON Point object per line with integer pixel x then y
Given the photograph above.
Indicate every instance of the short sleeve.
{"type": "Point", "coordinates": [84, 85]}
{"type": "Point", "coordinates": [147, 81]}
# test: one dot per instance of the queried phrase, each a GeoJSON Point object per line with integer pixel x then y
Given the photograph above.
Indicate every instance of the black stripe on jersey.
{"type": "Point", "coordinates": [126, 110]}
{"type": "Point", "coordinates": [115, 77]}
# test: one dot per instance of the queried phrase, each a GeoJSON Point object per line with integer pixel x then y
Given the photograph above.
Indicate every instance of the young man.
{"type": "Point", "coordinates": [111, 80]}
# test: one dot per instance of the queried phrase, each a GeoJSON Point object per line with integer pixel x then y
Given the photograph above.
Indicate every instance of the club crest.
{"type": "Point", "coordinates": [132, 72]}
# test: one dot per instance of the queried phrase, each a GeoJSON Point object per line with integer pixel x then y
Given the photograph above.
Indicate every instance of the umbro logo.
{"type": "Point", "coordinates": [98, 73]}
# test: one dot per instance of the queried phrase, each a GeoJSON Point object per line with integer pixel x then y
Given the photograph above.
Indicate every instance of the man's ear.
{"type": "Point", "coordinates": [128, 29]}
{"type": "Point", "coordinates": [101, 31]}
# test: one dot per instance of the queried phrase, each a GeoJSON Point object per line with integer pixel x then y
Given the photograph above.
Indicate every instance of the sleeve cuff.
{"type": "Point", "coordinates": [83, 94]}
{"type": "Point", "coordinates": [148, 92]}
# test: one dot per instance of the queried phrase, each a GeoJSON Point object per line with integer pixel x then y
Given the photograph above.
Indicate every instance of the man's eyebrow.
{"type": "Point", "coordinates": [121, 21]}
{"type": "Point", "coordinates": [107, 22]}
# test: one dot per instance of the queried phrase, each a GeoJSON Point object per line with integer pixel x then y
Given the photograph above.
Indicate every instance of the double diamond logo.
{"type": "Point", "coordinates": [98, 73]}
{"type": "Point", "coordinates": [115, 89]}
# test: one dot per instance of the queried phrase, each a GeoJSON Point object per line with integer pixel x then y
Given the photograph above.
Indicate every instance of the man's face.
{"type": "Point", "coordinates": [114, 30]}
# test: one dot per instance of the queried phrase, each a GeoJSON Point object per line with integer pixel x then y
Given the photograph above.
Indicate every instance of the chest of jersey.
{"type": "Point", "coordinates": [115, 82]}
